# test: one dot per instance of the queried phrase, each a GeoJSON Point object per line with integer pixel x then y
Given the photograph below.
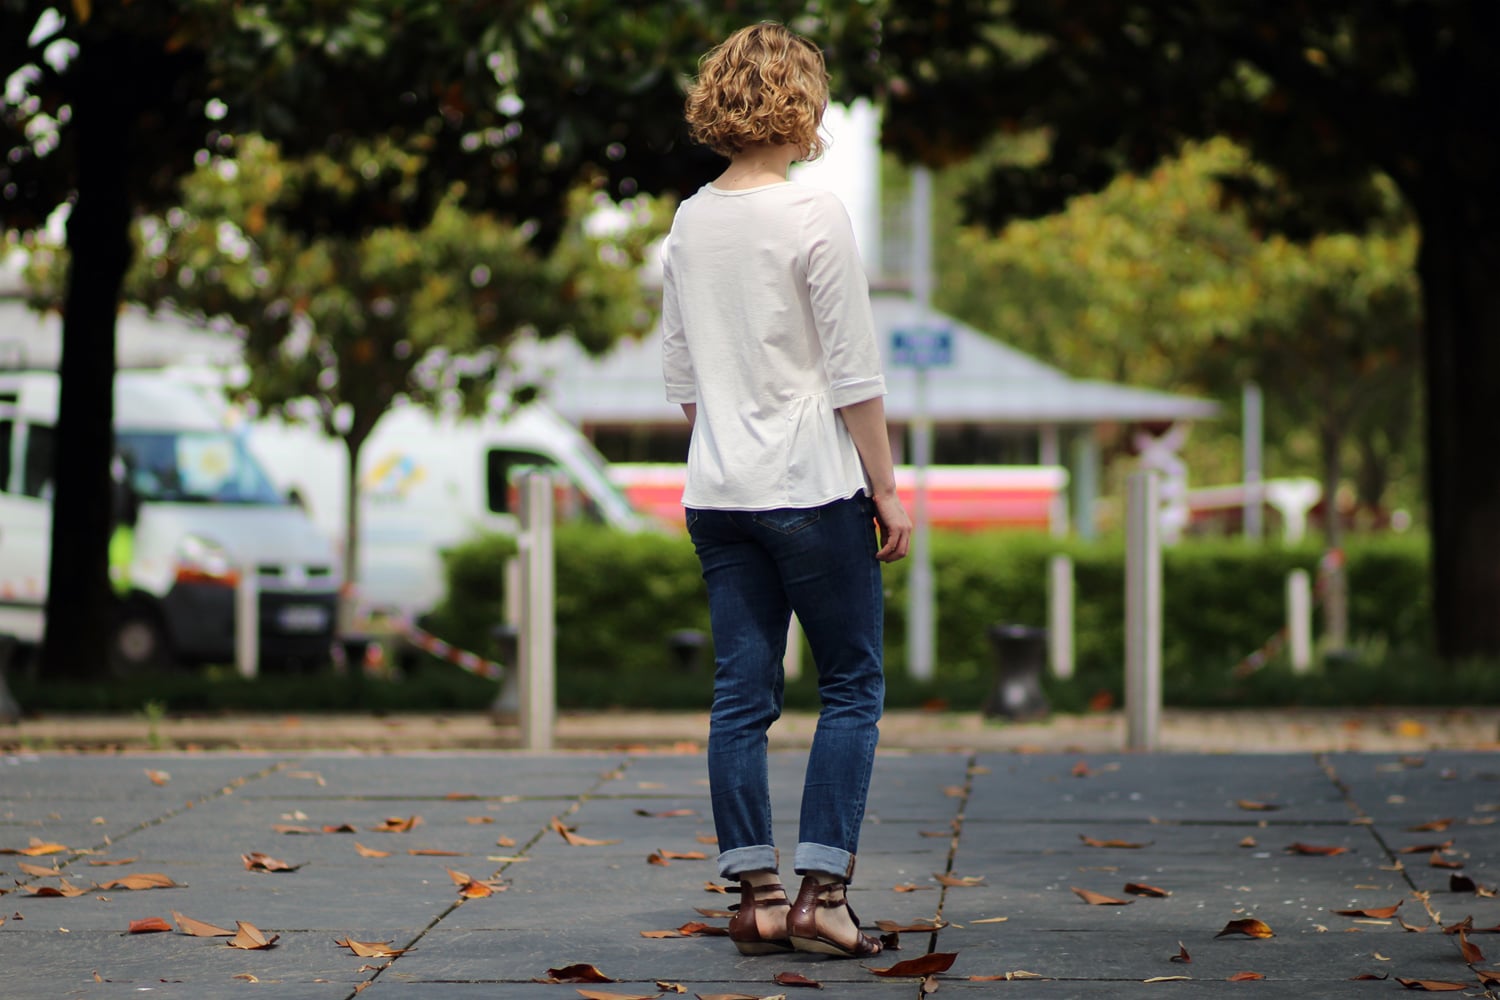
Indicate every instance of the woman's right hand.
{"type": "Point", "coordinates": [895, 527]}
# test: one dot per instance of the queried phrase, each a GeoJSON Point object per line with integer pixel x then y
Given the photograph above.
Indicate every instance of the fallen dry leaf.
{"type": "Point", "coordinates": [1377, 912]}
{"type": "Point", "coordinates": [1182, 955]}
{"type": "Point", "coordinates": [1099, 899]}
{"type": "Point", "coordinates": [1370, 975]}
{"type": "Point", "coordinates": [339, 828]}
{"type": "Point", "coordinates": [505, 842]}
{"type": "Point", "coordinates": [728, 996]}
{"type": "Point", "coordinates": [110, 862]}
{"type": "Point", "coordinates": [909, 887]}
{"type": "Point", "coordinates": [1142, 889]}
{"type": "Point", "coordinates": [1466, 924]}
{"type": "Point", "coordinates": [1252, 805]}
{"type": "Point", "coordinates": [1168, 979]}
{"type": "Point", "coordinates": [955, 791]}
{"type": "Point", "coordinates": [579, 973]}
{"type": "Point", "coordinates": [149, 925]}
{"type": "Point", "coordinates": [291, 828]}
{"type": "Point", "coordinates": [990, 920]}
{"type": "Point", "coordinates": [158, 777]}
{"type": "Point", "coordinates": [248, 977]}
{"type": "Point", "coordinates": [1470, 951]}
{"type": "Point", "coordinates": [1434, 826]}
{"type": "Point", "coordinates": [662, 984]}
{"type": "Point", "coordinates": [655, 858]}
{"type": "Point", "coordinates": [1431, 985]}
{"type": "Point", "coordinates": [64, 889]}
{"type": "Point", "coordinates": [255, 861]}
{"type": "Point", "coordinates": [36, 849]}
{"type": "Point", "coordinates": [666, 813]}
{"type": "Point", "coordinates": [795, 979]}
{"type": "Point", "coordinates": [1250, 927]}
{"type": "Point", "coordinates": [370, 852]}
{"type": "Point", "coordinates": [478, 820]}
{"type": "Point", "coordinates": [41, 871]}
{"type": "Point", "coordinates": [715, 887]}
{"type": "Point", "coordinates": [922, 926]}
{"type": "Point", "coordinates": [1436, 860]}
{"type": "Point", "coordinates": [696, 928]}
{"type": "Point", "coordinates": [1488, 977]}
{"type": "Point", "coordinates": [1093, 842]}
{"type": "Point", "coordinates": [604, 995]}
{"type": "Point", "coordinates": [143, 880]}
{"type": "Point", "coordinates": [248, 937]}
{"type": "Point", "coordinates": [926, 965]}
{"type": "Point", "coordinates": [1245, 977]}
{"type": "Point", "coordinates": [656, 935]}
{"type": "Point", "coordinates": [1319, 850]}
{"type": "Point", "coordinates": [1007, 977]}
{"type": "Point", "coordinates": [370, 949]}
{"type": "Point", "coordinates": [683, 855]}
{"type": "Point", "coordinates": [712, 914]}
{"type": "Point", "coordinates": [396, 824]}
{"type": "Point", "coordinates": [1426, 848]}
{"type": "Point", "coordinates": [1249, 841]}
{"type": "Point", "coordinates": [197, 928]}
{"type": "Point", "coordinates": [573, 839]}
{"type": "Point", "coordinates": [433, 852]}
{"type": "Point", "coordinates": [958, 881]}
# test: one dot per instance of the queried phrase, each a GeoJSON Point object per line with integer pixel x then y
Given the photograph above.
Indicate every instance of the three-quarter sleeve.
{"type": "Point", "coordinates": [839, 294]}
{"type": "Point", "coordinates": [677, 362]}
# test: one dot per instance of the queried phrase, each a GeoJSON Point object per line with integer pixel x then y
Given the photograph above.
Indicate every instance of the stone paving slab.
{"type": "Point", "coordinates": [1015, 820]}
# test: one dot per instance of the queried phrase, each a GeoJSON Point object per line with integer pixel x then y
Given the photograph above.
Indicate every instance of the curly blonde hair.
{"type": "Point", "coordinates": [762, 84]}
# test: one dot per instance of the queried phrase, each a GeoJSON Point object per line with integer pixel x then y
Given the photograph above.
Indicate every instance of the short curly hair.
{"type": "Point", "coordinates": [763, 84]}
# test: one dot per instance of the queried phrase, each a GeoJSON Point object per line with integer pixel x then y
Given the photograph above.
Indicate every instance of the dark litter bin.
{"type": "Point", "coordinates": [1020, 660]}
{"type": "Point", "coordinates": [507, 703]}
{"type": "Point", "coordinates": [687, 649]}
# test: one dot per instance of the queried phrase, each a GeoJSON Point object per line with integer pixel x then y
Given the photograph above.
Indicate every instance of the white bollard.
{"type": "Point", "coordinates": [247, 623]}
{"type": "Point", "coordinates": [537, 648]}
{"type": "Point", "coordinates": [1060, 616]}
{"type": "Point", "coordinates": [1143, 601]}
{"type": "Point", "coordinates": [1299, 619]}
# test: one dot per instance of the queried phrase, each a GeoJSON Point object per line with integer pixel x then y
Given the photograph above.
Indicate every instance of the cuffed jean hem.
{"type": "Point", "coordinates": [822, 858]}
{"type": "Point", "coordinates": [758, 858]}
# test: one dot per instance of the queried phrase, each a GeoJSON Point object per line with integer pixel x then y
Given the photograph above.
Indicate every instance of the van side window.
{"type": "Point", "coordinates": [7, 439]}
{"type": "Point", "coordinates": [36, 466]}
{"type": "Point", "coordinates": [501, 466]}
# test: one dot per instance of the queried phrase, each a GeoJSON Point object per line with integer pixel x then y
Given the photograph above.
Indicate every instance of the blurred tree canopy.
{"type": "Point", "coordinates": [1328, 98]}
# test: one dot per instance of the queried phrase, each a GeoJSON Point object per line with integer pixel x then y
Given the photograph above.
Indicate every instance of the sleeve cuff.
{"type": "Point", "coordinates": [682, 392]}
{"type": "Point", "coordinates": [856, 391]}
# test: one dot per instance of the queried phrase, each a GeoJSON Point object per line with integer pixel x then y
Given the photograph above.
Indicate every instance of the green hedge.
{"type": "Point", "coordinates": [619, 597]}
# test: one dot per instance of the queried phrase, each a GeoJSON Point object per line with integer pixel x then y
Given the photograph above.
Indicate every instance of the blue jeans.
{"type": "Point", "coordinates": [760, 566]}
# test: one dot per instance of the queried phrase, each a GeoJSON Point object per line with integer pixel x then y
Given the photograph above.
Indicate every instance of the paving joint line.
{"type": "Point", "coordinates": [611, 774]}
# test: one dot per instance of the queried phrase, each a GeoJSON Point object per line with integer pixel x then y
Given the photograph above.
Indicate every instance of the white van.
{"type": "Point", "coordinates": [205, 513]}
{"type": "Point", "coordinates": [429, 481]}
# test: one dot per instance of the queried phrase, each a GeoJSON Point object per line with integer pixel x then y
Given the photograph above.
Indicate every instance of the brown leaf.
{"type": "Point", "coordinates": [42, 871]}
{"type": "Point", "coordinates": [1435, 826]}
{"type": "Point", "coordinates": [923, 926]}
{"type": "Point", "coordinates": [158, 777]}
{"type": "Point", "coordinates": [604, 995]}
{"type": "Point", "coordinates": [1081, 769]}
{"type": "Point", "coordinates": [1099, 899]}
{"type": "Point", "coordinates": [478, 820]}
{"type": "Point", "coordinates": [1426, 849]}
{"type": "Point", "coordinates": [110, 862]}
{"type": "Point", "coordinates": [197, 928]}
{"type": "Point", "coordinates": [340, 828]}
{"type": "Point", "coordinates": [1320, 850]}
{"type": "Point", "coordinates": [667, 813]}
{"type": "Point", "coordinates": [1250, 927]}
{"type": "Point", "coordinates": [149, 925]}
{"type": "Point", "coordinates": [958, 881]}
{"type": "Point", "coordinates": [1431, 985]}
{"type": "Point", "coordinates": [1249, 841]}
{"type": "Point", "coordinates": [144, 880]}
{"type": "Point", "coordinates": [1168, 979]}
{"type": "Point", "coordinates": [1370, 975]}
{"type": "Point", "coordinates": [696, 928]}
{"type": "Point", "coordinates": [1466, 924]}
{"type": "Point", "coordinates": [926, 965]}
{"type": "Point", "coordinates": [712, 914]}
{"type": "Point", "coordinates": [64, 888]}
{"type": "Point", "coordinates": [395, 824]}
{"type": "Point", "coordinates": [706, 838]}
{"type": "Point", "coordinates": [715, 887]}
{"type": "Point", "coordinates": [795, 979]}
{"type": "Point", "coordinates": [1182, 955]}
{"type": "Point", "coordinates": [460, 796]}
{"type": "Point", "coordinates": [370, 852]}
{"type": "Point", "coordinates": [37, 849]}
{"type": "Point", "coordinates": [1470, 951]}
{"type": "Point", "coordinates": [573, 839]}
{"type": "Point", "coordinates": [505, 842]}
{"type": "Point", "coordinates": [248, 977]}
{"type": "Point", "coordinates": [656, 935]}
{"type": "Point", "coordinates": [433, 852]}
{"type": "Point", "coordinates": [255, 861]}
{"type": "Point", "coordinates": [1093, 842]}
{"type": "Point", "coordinates": [370, 949]}
{"type": "Point", "coordinates": [1251, 805]}
{"type": "Point", "coordinates": [1413, 928]}
{"type": "Point", "coordinates": [1377, 912]}
{"type": "Point", "coordinates": [1245, 977]}
{"type": "Point", "coordinates": [954, 791]}
{"type": "Point", "coordinates": [683, 855]}
{"type": "Point", "coordinates": [291, 828]}
{"type": "Point", "coordinates": [1488, 977]}
{"type": "Point", "coordinates": [579, 973]}
{"type": "Point", "coordinates": [727, 996]}
{"type": "Point", "coordinates": [662, 984]}
{"type": "Point", "coordinates": [1462, 883]}
{"type": "Point", "coordinates": [251, 938]}
{"type": "Point", "coordinates": [909, 887]}
{"type": "Point", "coordinates": [1436, 860]}
{"type": "Point", "coordinates": [1142, 889]}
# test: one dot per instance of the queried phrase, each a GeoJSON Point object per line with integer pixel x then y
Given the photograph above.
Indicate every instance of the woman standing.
{"type": "Point", "coordinates": [769, 345]}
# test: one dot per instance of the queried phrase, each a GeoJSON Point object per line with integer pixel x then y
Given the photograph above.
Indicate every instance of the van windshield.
{"type": "Point", "coordinates": [194, 467]}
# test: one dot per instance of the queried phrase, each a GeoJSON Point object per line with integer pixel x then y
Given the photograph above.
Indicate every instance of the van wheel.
{"type": "Point", "coordinates": [140, 645]}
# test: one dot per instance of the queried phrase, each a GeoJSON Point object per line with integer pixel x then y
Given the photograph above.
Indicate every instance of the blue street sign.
{"type": "Point", "coordinates": [922, 347]}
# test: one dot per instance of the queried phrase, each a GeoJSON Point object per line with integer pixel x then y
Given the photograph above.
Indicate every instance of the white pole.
{"type": "Point", "coordinates": [1060, 616]}
{"type": "Point", "coordinates": [1143, 601]}
{"type": "Point", "coordinates": [1299, 619]}
{"type": "Point", "coordinates": [247, 623]}
{"type": "Point", "coordinates": [537, 648]}
{"type": "Point", "coordinates": [1253, 432]}
{"type": "Point", "coordinates": [921, 635]}
{"type": "Point", "coordinates": [1050, 446]}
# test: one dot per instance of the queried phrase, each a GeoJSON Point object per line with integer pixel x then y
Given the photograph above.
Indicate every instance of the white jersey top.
{"type": "Point", "coordinates": [766, 326]}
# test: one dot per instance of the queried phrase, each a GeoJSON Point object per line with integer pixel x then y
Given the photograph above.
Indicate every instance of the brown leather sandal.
{"type": "Point", "coordinates": [744, 929]}
{"type": "Point", "coordinates": [802, 922]}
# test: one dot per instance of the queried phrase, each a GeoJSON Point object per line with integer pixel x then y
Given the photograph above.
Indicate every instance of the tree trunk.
{"type": "Point", "coordinates": [80, 604]}
{"type": "Point", "coordinates": [1458, 265]}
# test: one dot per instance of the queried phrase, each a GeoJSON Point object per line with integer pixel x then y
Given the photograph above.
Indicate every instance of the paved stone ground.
{"type": "Point", "coordinates": [1007, 831]}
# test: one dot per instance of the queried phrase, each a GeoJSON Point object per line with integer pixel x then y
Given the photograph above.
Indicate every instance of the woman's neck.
{"type": "Point", "coordinates": [757, 166]}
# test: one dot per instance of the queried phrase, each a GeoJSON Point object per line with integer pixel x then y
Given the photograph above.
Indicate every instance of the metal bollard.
{"type": "Point", "coordinates": [507, 704]}
{"type": "Point", "coordinates": [1020, 659]}
{"type": "Point", "coordinates": [1142, 611]}
{"type": "Point", "coordinates": [538, 643]}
